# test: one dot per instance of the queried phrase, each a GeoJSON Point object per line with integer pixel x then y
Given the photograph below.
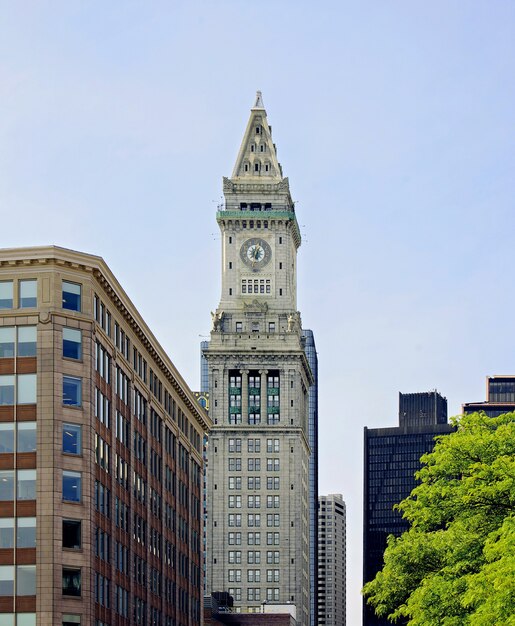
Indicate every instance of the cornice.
{"type": "Point", "coordinates": [97, 267]}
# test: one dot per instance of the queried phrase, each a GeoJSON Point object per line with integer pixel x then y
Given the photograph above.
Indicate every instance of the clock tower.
{"type": "Point", "coordinates": [258, 455]}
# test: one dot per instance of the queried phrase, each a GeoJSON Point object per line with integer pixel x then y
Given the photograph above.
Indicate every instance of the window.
{"type": "Point", "coordinates": [72, 391]}
{"type": "Point", "coordinates": [72, 438]}
{"type": "Point", "coordinates": [271, 327]}
{"type": "Point", "coordinates": [253, 557]}
{"type": "Point", "coordinates": [26, 580]}
{"type": "Point", "coordinates": [272, 482]}
{"type": "Point", "coordinates": [26, 440]}
{"type": "Point", "coordinates": [272, 557]}
{"type": "Point", "coordinates": [253, 519]}
{"type": "Point", "coordinates": [27, 341]}
{"type": "Point", "coordinates": [6, 485]}
{"type": "Point", "coordinates": [72, 343]}
{"type": "Point", "coordinates": [239, 327]}
{"type": "Point", "coordinates": [234, 539]}
{"type": "Point", "coordinates": [71, 581]}
{"type": "Point", "coordinates": [6, 294]}
{"type": "Point", "coordinates": [235, 556]}
{"type": "Point", "coordinates": [71, 296]}
{"type": "Point", "coordinates": [272, 539]}
{"type": "Point", "coordinates": [272, 445]}
{"type": "Point", "coordinates": [26, 389]}
{"type": "Point", "coordinates": [72, 484]}
{"type": "Point", "coordinates": [28, 294]}
{"type": "Point", "coordinates": [234, 575]}
{"type": "Point", "coordinates": [272, 594]}
{"type": "Point", "coordinates": [26, 484]}
{"type": "Point", "coordinates": [254, 445]}
{"type": "Point", "coordinates": [235, 502]}
{"type": "Point", "coordinates": [7, 342]}
{"type": "Point", "coordinates": [7, 438]}
{"type": "Point", "coordinates": [6, 580]}
{"type": "Point", "coordinates": [6, 533]}
{"type": "Point", "coordinates": [6, 390]}
{"type": "Point", "coordinates": [26, 532]}
{"type": "Point", "coordinates": [234, 445]}
{"type": "Point", "coordinates": [72, 534]}
{"type": "Point", "coordinates": [70, 620]}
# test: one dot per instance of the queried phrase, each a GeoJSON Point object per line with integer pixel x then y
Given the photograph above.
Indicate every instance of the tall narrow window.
{"type": "Point", "coordinates": [72, 483]}
{"type": "Point", "coordinates": [6, 294]}
{"type": "Point", "coordinates": [71, 581]}
{"type": "Point", "coordinates": [26, 441]}
{"type": "Point", "coordinates": [72, 438]}
{"type": "Point", "coordinates": [6, 390]}
{"type": "Point", "coordinates": [26, 532]}
{"type": "Point", "coordinates": [7, 438]}
{"type": "Point", "coordinates": [28, 294]}
{"type": "Point", "coordinates": [71, 296]}
{"type": "Point", "coordinates": [6, 533]}
{"type": "Point", "coordinates": [27, 341]}
{"type": "Point", "coordinates": [26, 484]}
{"type": "Point", "coordinates": [7, 335]}
{"type": "Point", "coordinates": [72, 391]}
{"type": "Point", "coordinates": [26, 389]}
{"type": "Point", "coordinates": [72, 343]}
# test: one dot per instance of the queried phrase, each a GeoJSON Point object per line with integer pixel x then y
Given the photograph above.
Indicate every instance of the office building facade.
{"type": "Point", "coordinates": [391, 458]}
{"type": "Point", "coordinates": [500, 394]}
{"type": "Point", "coordinates": [100, 454]}
{"type": "Point", "coordinates": [311, 353]}
{"type": "Point", "coordinates": [259, 379]}
{"type": "Point", "coordinates": [332, 555]}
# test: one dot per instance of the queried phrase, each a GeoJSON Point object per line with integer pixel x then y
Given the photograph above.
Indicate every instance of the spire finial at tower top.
{"type": "Point", "coordinates": [259, 101]}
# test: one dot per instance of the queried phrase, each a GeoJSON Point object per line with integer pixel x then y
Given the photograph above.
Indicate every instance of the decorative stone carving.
{"type": "Point", "coordinates": [255, 307]}
{"type": "Point", "coordinates": [217, 320]}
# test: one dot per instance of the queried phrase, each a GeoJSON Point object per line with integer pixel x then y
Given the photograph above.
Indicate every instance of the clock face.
{"type": "Point", "coordinates": [255, 253]}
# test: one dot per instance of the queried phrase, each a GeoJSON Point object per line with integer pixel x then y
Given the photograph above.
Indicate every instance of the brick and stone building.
{"type": "Point", "coordinates": [258, 511]}
{"type": "Point", "coordinates": [100, 454]}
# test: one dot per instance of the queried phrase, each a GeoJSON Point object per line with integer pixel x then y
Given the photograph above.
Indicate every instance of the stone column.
{"type": "Point", "coordinates": [262, 408]}
{"type": "Point", "coordinates": [244, 396]}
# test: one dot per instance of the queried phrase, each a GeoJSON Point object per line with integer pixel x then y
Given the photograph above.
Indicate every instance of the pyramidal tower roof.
{"type": "Point", "coordinates": [257, 158]}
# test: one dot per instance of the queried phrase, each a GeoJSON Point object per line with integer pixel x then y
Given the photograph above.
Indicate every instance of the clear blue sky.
{"type": "Point", "coordinates": [395, 124]}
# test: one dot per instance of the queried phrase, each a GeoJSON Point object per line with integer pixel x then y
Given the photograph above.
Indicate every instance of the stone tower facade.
{"type": "Point", "coordinates": [259, 377]}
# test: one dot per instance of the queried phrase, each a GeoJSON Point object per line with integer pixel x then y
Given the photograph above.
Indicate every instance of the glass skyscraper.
{"type": "Point", "coordinates": [391, 458]}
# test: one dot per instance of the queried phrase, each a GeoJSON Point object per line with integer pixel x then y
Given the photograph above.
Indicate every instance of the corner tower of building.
{"type": "Point", "coordinates": [259, 378]}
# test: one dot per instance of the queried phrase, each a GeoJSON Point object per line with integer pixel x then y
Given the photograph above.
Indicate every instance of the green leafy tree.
{"type": "Point", "coordinates": [455, 566]}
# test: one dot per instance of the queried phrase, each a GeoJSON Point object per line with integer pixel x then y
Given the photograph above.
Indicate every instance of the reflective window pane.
{"type": "Point", "coordinates": [72, 438]}
{"type": "Point", "coordinates": [6, 580]}
{"type": "Point", "coordinates": [7, 619]}
{"type": "Point", "coordinates": [6, 533]}
{"type": "Point", "coordinates": [71, 296]}
{"type": "Point", "coordinates": [6, 390]}
{"type": "Point", "coordinates": [26, 532]}
{"type": "Point", "coordinates": [7, 342]}
{"type": "Point", "coordinates": [6, 485]}
{"type": "Point", "coordinates": [72, 533]}
{"type": "Point", "coordinates": [27, 340]}
{"type": "Point", "coordinates": [71, 486]}
{"type": "Point", "coordinates": [72, 343]}
{"type": "Point", "coordinates": [71, 581]}
{"type": "Point", "coordinates": [25, 619]}
{"type": "Point", "coordinates": [72, 391]}
{"type": "Point", "coordinates": [7, 438]}
{"type": "Point", "coordinates": [28, 296]}
{"type": "Point", "coordinates": [26, 580]}
{"type": "Point", "coordinates": [6, 294]}
{"type": "Point", "coordinates": [70, 620]}
{"type": "Point", "coordinates": [26, 390]}
{"type": "Point", "coordinates": [26, 488]}
{"type": "Point", "coordinates": [26, 437]}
